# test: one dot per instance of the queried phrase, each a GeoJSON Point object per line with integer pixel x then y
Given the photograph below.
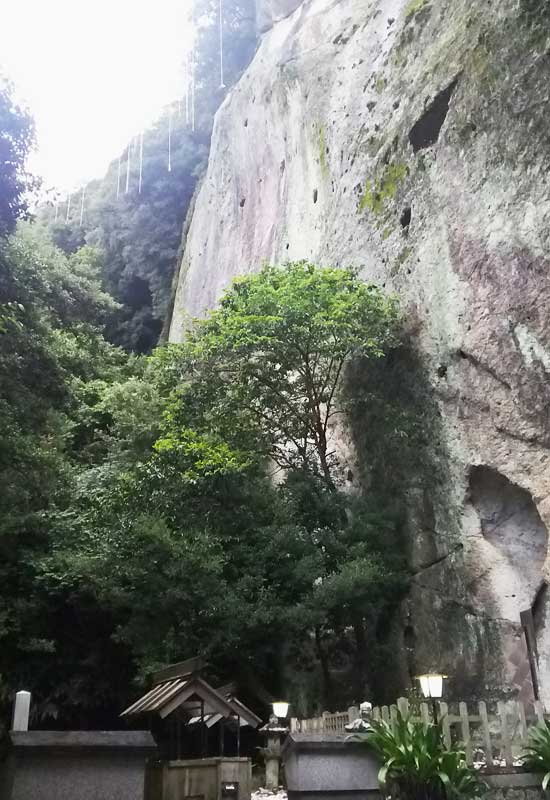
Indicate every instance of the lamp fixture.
{"type": "Point", "coordinates": [280, 709]}
{"type": "Point", "coordinates": [431, 684]}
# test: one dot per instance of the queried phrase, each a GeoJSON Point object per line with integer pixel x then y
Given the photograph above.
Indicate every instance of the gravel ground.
{"type": "Point", "coordinates": [265, 794]}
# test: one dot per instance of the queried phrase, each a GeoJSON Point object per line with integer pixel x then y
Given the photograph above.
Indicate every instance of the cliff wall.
{"type": "Point", "coordinates": [411, 140]}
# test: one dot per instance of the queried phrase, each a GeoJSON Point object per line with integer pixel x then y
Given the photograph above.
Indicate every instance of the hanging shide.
{"type": "Point", "coordinates": [140, 161]}
{"type": "Point", "coordinates": [82, 206]}
{"type": "Point", "coordinates": [186, 100]}
{"type": "Point", "coordinates": [170, 140]}
{"type": "Point", "coordinates": [118, 177]}
{"type": "Point", "coordinates": [222, 84]}
{"type": "Point", "coordinates": [128, 170]}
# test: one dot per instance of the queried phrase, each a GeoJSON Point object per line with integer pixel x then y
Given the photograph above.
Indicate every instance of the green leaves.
{"type": "Point", "coordinates": [417, 762]}
{"type": "Point", "coordinates": [140, 495]}
{"type": "Point", "coordinates": [274, 355]}
{"type": "Point", "coordinates": [536, 756]}
{"type": "Point", "coordinates": [17, 138]}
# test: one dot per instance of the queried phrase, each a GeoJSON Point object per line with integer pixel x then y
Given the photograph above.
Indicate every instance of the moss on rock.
{"type": "Point", "coordinates": [383, 188]}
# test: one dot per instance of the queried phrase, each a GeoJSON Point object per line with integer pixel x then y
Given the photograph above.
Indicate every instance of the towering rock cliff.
{"type": "Point", "coordinates": [411, 139]}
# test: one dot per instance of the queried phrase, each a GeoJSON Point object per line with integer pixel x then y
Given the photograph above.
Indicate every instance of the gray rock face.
{"type": "Point", "coordinates": [268, 12]}
{"type": "Point", "coordinates": [410, 139]}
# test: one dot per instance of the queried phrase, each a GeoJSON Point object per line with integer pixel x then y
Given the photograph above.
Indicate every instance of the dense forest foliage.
{"type": "Point", "coordinates": [189, 501]}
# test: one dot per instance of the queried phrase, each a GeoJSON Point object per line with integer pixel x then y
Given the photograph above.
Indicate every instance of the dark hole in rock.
{"type": "Point", "coordinates": [242, 202]}
{"type": "Point", "coordinates": [426, 131]}
{"type": "Point", "coordinates": [315, 195]}
{"type": "Point", "coordinates": [509, 520]}
{"type": "Point", "coordinates": [405, 219]}
{"type": "Point", "coordinates": [287, 245]}
{"type": "Point", "coordinates": [283, 166]}
{"type": "Point", "coordinates": [442, 371]}
{"type": "Point", "coordinates": [246, 123]}
{"type": "Point", "coordinates": [349, 476]}
{"type": "Point", "coordinates": [462, 354]}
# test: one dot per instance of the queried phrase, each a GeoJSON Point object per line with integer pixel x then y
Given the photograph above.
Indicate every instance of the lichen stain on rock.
{"type": "Point", "coordinates": [507, 326]}
{"type": "Point", "coordinates": [384, 188]}
{"type": "Point", "coordinates": [413, 7]}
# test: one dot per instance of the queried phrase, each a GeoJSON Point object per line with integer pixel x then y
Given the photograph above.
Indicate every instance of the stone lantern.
{"type": "Point", "coordinates": [274, 731]}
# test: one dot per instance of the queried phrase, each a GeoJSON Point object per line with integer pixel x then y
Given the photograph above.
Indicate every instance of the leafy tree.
{"type": "Point", "coordinates": [140, 522]}
{"type": "Point", "coordinates": [50, 346]}
{"type": "Point", "coordinates": [275, 353]}
{"type": "Point", "coordinates": [16, 142]}
{"type": "Point", "coordinates": [302, 556]}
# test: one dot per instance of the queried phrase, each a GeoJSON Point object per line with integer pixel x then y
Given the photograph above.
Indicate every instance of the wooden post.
{"type": "Point", "coordinates": [539, 711]}
{"type": "Point", "coordinates": [353, 713]}
{"type": "Point", "coordinates": [504, 733]}
{"type": "Point", "coordinates": [203, 738]}
{"type": "Point", "coordinates": [466, 738]}
{"type": "Point", "coordinates": [385, 714]}
{"type": "Point", "coordinates": [445, 724]}
{"type": "Point", "coordinates": [238, 736]}
{"type": "Point", "coordinates": [403, 706]}
{"type": "Point", "coordinates": [528, 625]}
{"type": "Point", "coordinates": [425, 714]}
{"type": "Point", "coordinates": [293, 724]}
{"type": "Point", "coordinates": [393, 715]}
{"type": "Point", "coordinates": [171, 737]}
{"type": "Point", "coordinates": [522, 721]}
{"type": "Point", "coordinates": [486, 733]}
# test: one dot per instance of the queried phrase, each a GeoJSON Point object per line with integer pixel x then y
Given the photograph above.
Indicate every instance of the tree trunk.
{"type": "Point", "coordinates": [361, 657]}
{"type": "Point", "coordinates": [323, 660]}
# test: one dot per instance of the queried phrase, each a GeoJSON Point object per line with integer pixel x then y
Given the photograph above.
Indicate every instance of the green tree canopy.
{"type": "Point", "coordinates": [275, 353]}
{"type": "Point", "coordinates": [16, 142]}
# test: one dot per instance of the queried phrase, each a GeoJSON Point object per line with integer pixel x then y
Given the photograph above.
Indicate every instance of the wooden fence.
{"type": "Point", "coordinates": [493, 735]}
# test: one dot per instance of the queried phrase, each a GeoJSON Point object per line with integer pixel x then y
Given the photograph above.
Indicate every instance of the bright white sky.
{"type": "Point", "coordinates": [93, 74]}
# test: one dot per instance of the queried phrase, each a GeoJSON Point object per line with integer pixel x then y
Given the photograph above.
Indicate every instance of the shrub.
{"type": "Point", "coordinates": [536, 756]}
{"type": "Point", "coordinates": [416, 763]}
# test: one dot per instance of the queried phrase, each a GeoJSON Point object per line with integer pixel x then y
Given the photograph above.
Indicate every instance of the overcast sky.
{"type": "Point", "coordinates": [93, 73]}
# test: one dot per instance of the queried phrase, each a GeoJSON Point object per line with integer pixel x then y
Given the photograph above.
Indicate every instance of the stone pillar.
{"type": "Point", "coordinates": [21, 711]}
{"type": "Point", "coordinates": [272, 758]}
{"type": "Point", "coordinates": [273, 732]}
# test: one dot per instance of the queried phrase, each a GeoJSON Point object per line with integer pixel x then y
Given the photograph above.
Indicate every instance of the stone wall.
{"type": "Point", "coordinates": [76, 765]}
{"type": "Point", "coordinates": [514, 786]}
{"type": "Point", "coordinates": [409, 138]}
